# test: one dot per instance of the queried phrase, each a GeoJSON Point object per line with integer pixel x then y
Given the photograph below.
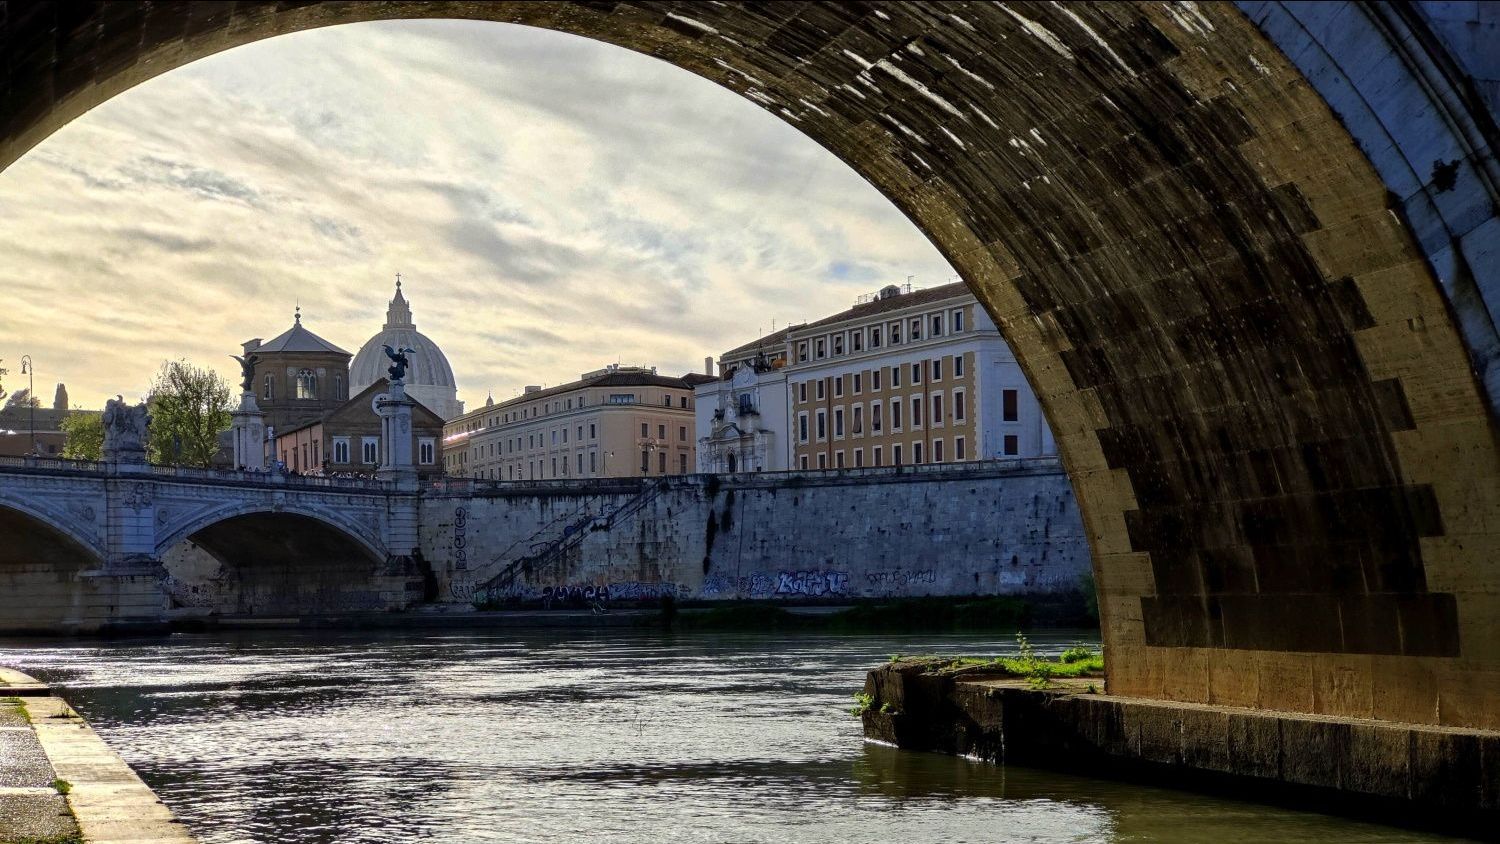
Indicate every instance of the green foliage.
{"type": "Point", "coordinates": [85, 436]}
{"type": "Point", "coordinates": [189, 408]}
{"type": "Point", "coordinates": [62, 786]}
{"type": "Point", "coordinates": [862, 704]}
{"type": "Point", "coordinates": [1093, 689]}
{"type": "Point", "coordinates": [1077, 653]}
{"type": "Point", "coordinates": [1076, 661]}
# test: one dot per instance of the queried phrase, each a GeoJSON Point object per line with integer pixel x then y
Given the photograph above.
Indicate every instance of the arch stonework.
{"type": "Point", "coordinates": [365, 536]}
{"type": "Point", "coordinates": [1265, 396]}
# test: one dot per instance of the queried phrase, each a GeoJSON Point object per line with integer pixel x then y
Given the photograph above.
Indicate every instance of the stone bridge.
{"type": "Point", "coordinates": [1245, 252]}
{"type": "Point", "coordinates": [90, 546]}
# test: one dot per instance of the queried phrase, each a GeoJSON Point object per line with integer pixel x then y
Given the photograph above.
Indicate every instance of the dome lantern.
{"type": "Point", "coordinates": [429, 378]}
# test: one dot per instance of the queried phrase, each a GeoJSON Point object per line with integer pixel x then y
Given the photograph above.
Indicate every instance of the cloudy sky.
{"type": "Point", "coordinates": [553, 204]}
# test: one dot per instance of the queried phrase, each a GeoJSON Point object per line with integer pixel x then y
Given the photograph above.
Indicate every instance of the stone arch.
{"type": "Point", "coordinates": [42, 558]}
{"type": "Point", "coordinates": [255, 560]}
{"type": "Point", "coordinates": [58, 520]}
{"type": "Point", "coordinates": [367, 538]}
{"type": "Point", "coordinates": [1266, 398]}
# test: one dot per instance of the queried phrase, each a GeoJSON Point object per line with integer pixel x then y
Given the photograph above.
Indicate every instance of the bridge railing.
{"type": "Point", "coordinates": [53, 464]}
{"type": "Point", "coordinates": [278, 478]}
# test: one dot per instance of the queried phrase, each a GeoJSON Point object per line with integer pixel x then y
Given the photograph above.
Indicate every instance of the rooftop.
{"type": "Point", "coordinates": [891, 303]}
{"type": "Point", "coordinates": [298, 339]}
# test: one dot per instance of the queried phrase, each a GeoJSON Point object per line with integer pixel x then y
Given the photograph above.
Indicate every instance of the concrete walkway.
{"type": "Point", "coordinates": [46, 749]}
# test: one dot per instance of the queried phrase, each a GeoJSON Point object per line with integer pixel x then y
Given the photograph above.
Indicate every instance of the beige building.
{"type": "Point", "coordinates": [618, 421]}
{"type": "Point", "coordinates": [904, 377]}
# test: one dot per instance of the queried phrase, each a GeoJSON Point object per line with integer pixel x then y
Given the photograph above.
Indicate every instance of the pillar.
{"type": "Point", "coordinates": [248, 428]}
{"type": "Point", "coordinates": [396, 462]}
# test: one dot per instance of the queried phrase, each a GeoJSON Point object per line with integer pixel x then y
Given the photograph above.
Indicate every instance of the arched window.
{"type": "Point", "coordinates": [307, 384]}
{"type": "Point", "coordinates": [270, 387]}
{"type": "Point", "coordinates": [338, 387]}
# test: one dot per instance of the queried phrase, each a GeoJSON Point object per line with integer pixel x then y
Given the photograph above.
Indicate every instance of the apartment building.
{"type": "Point", "coordinates": [614, 422]}
{"type": "Point", "coordinates": [903, 377]}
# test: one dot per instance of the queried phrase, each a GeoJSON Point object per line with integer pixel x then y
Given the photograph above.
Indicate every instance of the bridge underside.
{"type": "Point", "coordinates": [1287, 466]}
{"type": "Point", "coordinates": [277, 564]}
{"type": "Point", "coordinates": [40, 574]}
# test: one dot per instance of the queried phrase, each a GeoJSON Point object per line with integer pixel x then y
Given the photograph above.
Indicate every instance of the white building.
{"type": "Point", "coordinates": [742, 414]}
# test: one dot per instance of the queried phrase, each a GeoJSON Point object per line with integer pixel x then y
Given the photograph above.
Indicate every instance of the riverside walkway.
{"type": "Point", "coordinates": [60, 783]}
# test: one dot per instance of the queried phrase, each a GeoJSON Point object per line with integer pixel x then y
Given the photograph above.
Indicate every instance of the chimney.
{"type": "Point", "coordinates": [251, 345]}
{"type": "Point", "coordinates": [533, 388]}
{"type": "Point", "coordinates": [708, 366]}
{"type": "Point", "coordinates": [60, 398]}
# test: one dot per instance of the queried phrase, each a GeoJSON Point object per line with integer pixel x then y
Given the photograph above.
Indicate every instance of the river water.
{"type": "Point", "coordinates": [572, 736]}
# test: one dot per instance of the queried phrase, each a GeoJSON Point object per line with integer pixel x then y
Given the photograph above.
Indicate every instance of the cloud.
{"type": "Point", "coordinates": [553, 203]}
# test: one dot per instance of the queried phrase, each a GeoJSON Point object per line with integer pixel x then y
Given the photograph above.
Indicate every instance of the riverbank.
{"type": "Point", "coordinates": [61, 784]}
{"type": "Point", "coordinates": [1438, 778]}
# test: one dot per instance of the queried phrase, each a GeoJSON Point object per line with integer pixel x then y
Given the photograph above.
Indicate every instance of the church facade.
{"type": "Point", "coordinates": [299, 376]}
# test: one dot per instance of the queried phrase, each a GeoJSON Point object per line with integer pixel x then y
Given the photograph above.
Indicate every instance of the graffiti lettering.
{"type": "Point", "coordinates": [813, 583]}
{"type": "Point", "coordinates": [460, 541]}
{"type": "Point", "coordinates": [901, 577]}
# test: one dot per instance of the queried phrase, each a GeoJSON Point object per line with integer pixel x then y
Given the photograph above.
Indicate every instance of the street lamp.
{"type": "Point", "coordinates": [29, 371]}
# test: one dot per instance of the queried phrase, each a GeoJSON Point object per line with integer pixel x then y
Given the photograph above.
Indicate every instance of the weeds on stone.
{"type": "Point", "coordinates": [62, 786]}
{"type": "Point", "coordinates": [862, 703]}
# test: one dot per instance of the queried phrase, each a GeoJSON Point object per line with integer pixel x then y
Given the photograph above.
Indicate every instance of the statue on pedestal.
{"type": "Point", "coordinates": [125, 429]}
{"type": "Point", "coordinates": [399, 361]}
{"type": "Point", "coordinates": [247, 371]}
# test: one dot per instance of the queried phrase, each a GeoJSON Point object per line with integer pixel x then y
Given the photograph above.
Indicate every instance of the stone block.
{"type": "Point", "coordinates": [1255, 745]}
{"type": "Point", "coordinates": [1446, 768]}
{"type": "Point", "coordinates": [1313, 752]}
{"type": "Point", "coordinates": [1379, 760]}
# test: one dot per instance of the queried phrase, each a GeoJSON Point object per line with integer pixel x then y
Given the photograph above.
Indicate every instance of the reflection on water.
{"type": "Point", "coordinates": [554, 735]}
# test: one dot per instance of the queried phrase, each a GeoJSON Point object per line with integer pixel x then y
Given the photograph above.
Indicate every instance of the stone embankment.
{"type": "Point", "coordinates": [61, 784]}
{"type": "Point", "coordinates": [1438, 777]}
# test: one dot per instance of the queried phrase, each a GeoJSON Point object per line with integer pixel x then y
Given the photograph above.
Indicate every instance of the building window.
{"type": "Point", "coordinates": [565, 436]}
{"type": "Point", "coordinates": [838, 422]}
{"type": "Point", "coordinates": [958, 366]}
{"type": "Point", "coordinates": [661, 462]}
{"type": "Point", "coordinates": [958, 321]}
{"type": "Point", "coordinates": [937, 325]}
{"type": "Point", "coordinates": [1012, 444]}
{"type": "Point", "coordinates": [937, 369]}
{"type": "Point", "coordinates": [802, 392]}
{"type": "Point", "coordinates": [338, 387]}
{"type": "Point", "coordinates": [820, 347]}
{"type": "Point", "coordinates": [270, 391]}
{"type": "Point", "coordinates": [593, 432]}
{"type": "Point", "coordinates": [802, 353]}
{"type": "Point", "coordinates": [684, 404]}
{"type": "Point", "coordinates": [896, 455]}
{"type": "Point", "coordinates": [645, 462]}
{"type": "Point", "coordinates": [622, 398]}
{"type": "Point", "coordinates": [859, 419]}
{"type": "Point", "coordinates": [916, 334]}
{"type": "Point", "coordinates": [876, 454]}
{"type": "Point", "coordinates": [554, 466]}
{"type": "Point", "coordinates": [838, 459]}
{"type": "Point", "coordinates": [875, 337]}
{"type": "Point", "coordinates": [916, 412]}
{"type": "Point", "coordinates": [838, 387]}
{"type": "Point", "coordinates": [1008, 409]}
{"type": "Point", "coordinates": [661, 432]}
{"type": "Point", "coordinates": [580, 433]}
{"type": "Point", "coordinates": [804, 462]}
{"type": "Point", "coordinates": [645, 430]}
{"type": "Point", "coordinates": [960, 451]}
{"type": "Point", "coordinates": [682, 433]}
{"type": "Point", "coordinates": [802, 426]}
{"type": "Point", "coordinates": [857, 341]}
{"type": "Point", "coordinates": [875, 380]}
{"type": "Point", "coordinates": [666, 401]}
{"type": "Point", "coordinates": [937, 451]}
{"type": "Point", "coordinates": [369, 450]}
{"type": "Point", "coordinates": [895, 414]}
{"type": "Point", "coordinates": [820, 389]}
{"type": "Point", "coordinates": [822, 425]}
{"type": "Point", "coordinates": [937, 409]}
{"type": "Point", "coordinates": [307, 384]}
{"type": "Point", "coordinates": [916, 453]}
{"type": "Point", "coordinates": [838, 344]}
{"type": "Point", "coordinates": [916, 373]}
{"type": "Point", "coordinates": [960, 412]}
{"type": "Point", "coordinates": [554, 437]}
{"type": "Point", "coordinates": [822, 460]}
{"type": "Point", "coordinates": [580, 462]}
{"type": "Point", "coordinates": [856, 383]}
{"type": "Point", "coordinates": [875, 417]}
{"type": "Point", "coordinates": [896, 377]}
{"type": "Point", "coordinates": [859, 458]}
{"type": "Point", "coordinates": [341, 450]}
{"type": "Point", "coordinates": [895, 333]}
{"type": "Point", "coordinates": [593, 462]}
{"type": "Point", "coordinates": [426, 451]}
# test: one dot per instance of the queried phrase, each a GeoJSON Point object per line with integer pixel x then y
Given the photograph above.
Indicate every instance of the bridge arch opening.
{"type": "Point", "coordinates": [40, 573]}
{"type": "Point", "coordinates": [1286, 466]}
{"type": "Point", "coordinates": [274, 563]}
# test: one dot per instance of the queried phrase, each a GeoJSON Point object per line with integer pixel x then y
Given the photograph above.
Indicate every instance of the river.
{"type": "Point", "coordinates": [568, 736]}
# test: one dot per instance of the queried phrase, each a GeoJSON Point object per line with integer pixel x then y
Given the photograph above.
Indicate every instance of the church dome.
{"type": "Point", "coordinates": [429, 378]}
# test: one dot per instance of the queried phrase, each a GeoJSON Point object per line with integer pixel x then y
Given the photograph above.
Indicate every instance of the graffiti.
{"type": "Point", "coordinates": [460, 542]}
{"type": "Point", "coordinates": [901, 577]}
{"type": "Point", "coordinates": [462, 588]}
{"type": "Point", "coordinates": [628, 591]}
{"type": "Point", "coordinates": [812, 583]}
{"type": "Point", "coordinates": [757, 585]}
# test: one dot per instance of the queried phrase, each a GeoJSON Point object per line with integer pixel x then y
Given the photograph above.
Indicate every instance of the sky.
{"type": "Point", "coordinates": [552, 203]}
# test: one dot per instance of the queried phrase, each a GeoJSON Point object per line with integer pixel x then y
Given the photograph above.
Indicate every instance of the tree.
{"type": "Point", "coordinates": [189, 408]}
{"type": "Point", "coordinates": [85, 432]}
{"type": "Point", "coordinates": [3, 372]}
{"type": "Point", "coordinates": [22, 398]}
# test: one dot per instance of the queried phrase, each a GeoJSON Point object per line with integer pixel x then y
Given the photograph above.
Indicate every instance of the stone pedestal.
{"type": "Point", "coordinates": [248, 429]}
{"type": "Point", "coordinates": [396, 462]}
